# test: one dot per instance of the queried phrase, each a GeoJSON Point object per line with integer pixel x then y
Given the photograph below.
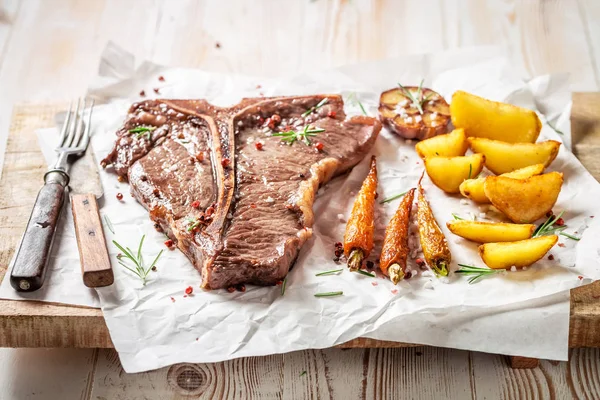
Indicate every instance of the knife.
{"type": "Point", "coordinates": [86, 189]}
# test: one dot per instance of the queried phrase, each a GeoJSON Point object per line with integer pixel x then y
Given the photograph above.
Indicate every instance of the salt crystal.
{"type": "Point", "coordinates": [513, 269]}
{"type": "Point", "coordinates": [433, 124]}
{"type": "Point", "coordinates": [434, 115]}
{"type": "Point", "coordinates": [341, 218]}
{"type": "Point", "coordinates": [427, 273]}
{"type": "Point", "coordinates": [464, 202]}
{"type": "Point", "coordinates": [229, 215]}
{"type": "Point", "coordinates": [270, 200]}
{"type": "Point", "coordinates": [418, 118]}
{"type": "Point", "coordinates": [428, 284]}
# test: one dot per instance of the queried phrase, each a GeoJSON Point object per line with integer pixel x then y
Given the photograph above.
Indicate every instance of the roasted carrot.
{"type": "Point", "coordinates": [433, 242]}
{"type": "Point", "coordinates": [394, 253]}
{"type": "Point", "coordinates": [358, 239]}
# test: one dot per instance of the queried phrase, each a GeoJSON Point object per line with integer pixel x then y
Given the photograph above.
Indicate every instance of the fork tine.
{"type": "Point", "coordinates": [79, 128]}
{"type": "Point", "coordinates": [85, 140]}
{"type": "Point", "coordinates": [73, 126]}
{"type": "Point", "coordinates": [63, 131]}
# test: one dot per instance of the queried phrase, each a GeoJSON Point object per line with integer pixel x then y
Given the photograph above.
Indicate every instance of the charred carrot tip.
{"type": "Point", "coordinates": [440, 268]}
{"type": "Point", "coordinates": [355, 259]}
{"type": "Point", "coordinates": [396, 273]}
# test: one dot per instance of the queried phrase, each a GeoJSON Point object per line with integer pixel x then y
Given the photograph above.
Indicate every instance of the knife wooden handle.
{"type": "Point", "coordinates": [29, 269]}
{"type": "Point", "coordinates": [93, 254]}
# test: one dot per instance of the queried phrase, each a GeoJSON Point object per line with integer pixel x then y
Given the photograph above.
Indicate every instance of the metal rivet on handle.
{"type": "Point", "coordinates": [24, 285]}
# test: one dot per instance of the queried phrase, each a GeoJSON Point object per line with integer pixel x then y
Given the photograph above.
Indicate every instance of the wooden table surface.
{"type": "Point", "coordinates": [49, 50]}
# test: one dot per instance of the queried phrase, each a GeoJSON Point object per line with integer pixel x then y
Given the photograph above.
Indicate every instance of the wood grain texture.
{"type": "Point", "coordinates": [93, 253]}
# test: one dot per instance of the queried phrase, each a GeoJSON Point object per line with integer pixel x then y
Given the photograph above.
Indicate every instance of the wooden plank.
{"type": "Point", "coordinates": [32, 373]}
{"type": "Point", "coordinates": [66, 326]}
{"type": "Point", "coordinates": [417, 373]}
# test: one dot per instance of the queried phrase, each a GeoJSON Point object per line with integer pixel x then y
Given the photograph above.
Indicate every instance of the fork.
{"type": "Point", "coordinates": [32, 258]}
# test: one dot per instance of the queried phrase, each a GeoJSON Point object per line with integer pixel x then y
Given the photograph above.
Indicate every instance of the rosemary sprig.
{"type": "Point", "coordinates": [315, 108]}
{"type": "Point", "coordinates": [329, 294]}
{"type": "Point", "coordinates": [565, 234]}
{"type": "Point", "coordinates": [330, 272]}
{"type": "Point", "coordinates": [416, 101]}
{"type": "Point", "coordinates": [352, 97]}
{"type": "Point", "coordinates": [547, 228]}
{"type": "Point", "coordinates": [391, 198]}
{"type": "Point", "coordinates": [283, 285]}
{"type": "Point", "coordinates": [142, 130]}
{"type": "Point", "coordinates": [109, 224]}
{"type": "Point", "coordinates": [470, 170]}
{"type": "Point", "coordinates": [477, 273]}
{"type": "Point", "coordinates": [138, 261]}
{"type": "Point", "coordinates": [302, 373]}
{"type": "Point", "coordinates": [360, 271]}
{"type": "Point", "coordinates": [291, 136]}
{"type": "Point", "coordinates": [457, 217]}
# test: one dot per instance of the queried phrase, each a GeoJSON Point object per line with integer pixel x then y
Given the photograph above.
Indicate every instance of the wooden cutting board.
{"type": "Point", "coordinates": [37, 324]}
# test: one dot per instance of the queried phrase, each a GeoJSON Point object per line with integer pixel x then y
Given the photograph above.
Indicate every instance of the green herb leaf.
{"type": "Point", "coordinates": [315, 108]}
{"type": "Point", "coordinates": [360, 271]}
{"type": "Point", "coordinates": [416, 102]}
{"type": "Point", "coordinates": [394, 197]}
{"type": "Point", "coordinates": [109, 224]}
{"type": "Point", "coordinates": [570, 236]}
{"type": "Point", "coordinates": [477, 273]}
{"type": "Point", "coordinates": [353, 98]}
{"type": "Point", "coordinates": [331, 272]}
{"type": "Point", "coordinates": [291, 136]}
{"type": "Point", "coordinates": [547, 228]}
{"type": "Point", "coordinates": [329, 294]}
{"type": "Point", "coordinates": [142, 130]}
{"type": "Point", "coordinates": [457, 217]}
{"type": "Point", "coordinates": [138, 267]}
{"type": "Point", "coordinates": [283, 285]}
{"type": "Point", "coordinates": [470, 171]}
{"type": "Point", "coordinates": [302, 373]}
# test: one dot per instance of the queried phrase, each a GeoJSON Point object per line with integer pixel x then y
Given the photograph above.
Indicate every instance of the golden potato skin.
{"type": "Point", "coordinates": [448, 173]}
{"type": "Point", "coordinates": [524, 200]}
{"type": "Point", "coordinates": [480, 117]}
{"type": "Point", "coordinates": [473, 188]}
{"type": "Point", "coordinates": [488, 232]}
{"type": "Point", "coordinates": [522, 253]}
{"type": "Point", "coordinates": [502, 157]}
{"type": "Point", "coordinates": [448, 145]}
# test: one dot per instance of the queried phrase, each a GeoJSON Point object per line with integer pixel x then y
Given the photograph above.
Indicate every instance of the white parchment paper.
{"type": "Point", "coordinates": [522, 313]}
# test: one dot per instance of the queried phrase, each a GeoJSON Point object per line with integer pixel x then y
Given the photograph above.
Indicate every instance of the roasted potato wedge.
{"type": "Point", "coordinates": [493, 120]}
{"type": "Point", "coordinates": [448, 173]}
{"type": "Point", "coordinates": [473, 188]}
{"type": "Point", "coordinates": [522, 253]}
{"type": "Point", "coordinates": [450, 145]}
{"type": "Point", "coordinates": [502, 157]}
{"type": "Point", "coordinates": [524, 200]}
{"type": "Point", "coordinates": [400, 114]}
{"type": "Point", "coordinates": [487, 232]}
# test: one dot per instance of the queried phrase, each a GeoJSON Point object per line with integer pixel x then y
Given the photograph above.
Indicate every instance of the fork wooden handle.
{"type": "Point", "coordinates": [93, 254]}
{"type": "Point", "coordinates": [29, 268]}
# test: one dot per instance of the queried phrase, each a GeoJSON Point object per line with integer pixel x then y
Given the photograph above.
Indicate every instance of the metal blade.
{"type": "Point", "coordinates": [84, 175]}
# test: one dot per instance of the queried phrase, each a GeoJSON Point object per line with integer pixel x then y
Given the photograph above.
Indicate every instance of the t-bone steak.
{"type": "Point", "coordinates": [234, 187]}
